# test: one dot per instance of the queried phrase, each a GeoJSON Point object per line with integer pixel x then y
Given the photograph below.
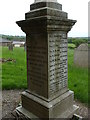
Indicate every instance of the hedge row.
{"type": "Point", "coordinates": [77, 41]}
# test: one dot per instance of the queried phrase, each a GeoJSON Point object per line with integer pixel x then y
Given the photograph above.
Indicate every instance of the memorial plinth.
{"type": "Point", "coordinates": [46, 27]}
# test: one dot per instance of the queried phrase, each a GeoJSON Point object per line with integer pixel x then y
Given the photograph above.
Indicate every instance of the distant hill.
{"type": "Point", "coordinates": [13, 38]}
{"type": "Point", "coordinates": [23, 38]}
{"type": "Point", "coordinates": [78, 38]}
{"type": "Point", "coordinates": [71, 39]}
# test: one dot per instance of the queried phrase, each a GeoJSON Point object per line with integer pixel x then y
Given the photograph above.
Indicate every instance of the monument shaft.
{"type": "Point", "coordinates": [45, 0]}
{"type": "Point", "coordinates": [47, 62]}
{"type": "Point", "coordinates": [46, 27]}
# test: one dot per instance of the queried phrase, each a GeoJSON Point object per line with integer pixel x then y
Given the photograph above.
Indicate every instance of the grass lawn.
{"type": "Point", "coordinates": [71, 45]}
{"type": "Point", "coordinates": [14, 73]}
{"type": "Point", "coordinates": [77, 79]}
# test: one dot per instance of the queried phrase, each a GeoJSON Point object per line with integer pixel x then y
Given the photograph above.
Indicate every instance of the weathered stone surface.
{"type": "Point", "coordinates": [83, 47]}
{"type": "Point", "coordinates": [45, 0]}
{"type": "Point", "coordinates": [44, 12]}
{"type": "Point", "coordinates": [46, 9]}
{"type": "Point", "coordinates": [10, 46]}
{"type": "Point", "coordinates": [57, 62]}
{"type": "Point", "coordinates": [45, 24]}
{"type": "Point", "coordinates": [81, 56]}
{"type": "Point", "coordinates": [39, 5]}
{"type": "Point", "coordinates": [42, 58]}
{"type": "Point", "coordinates": [37, 61]}
{"type": "Point", "coordinates": [46, 28]}
{"type": "Point", "coordinates": [61, 107]}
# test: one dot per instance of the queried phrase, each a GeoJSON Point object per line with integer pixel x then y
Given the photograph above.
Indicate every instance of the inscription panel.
{"type": "Point", "coordinates": [37, 64]}
{"type": "Point", "coordinates": [57, 57]}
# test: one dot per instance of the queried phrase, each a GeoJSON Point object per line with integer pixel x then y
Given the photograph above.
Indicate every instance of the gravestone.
{"type": "Point", "coordinates": [81, 55]}
{"type": "Point", "coordinates": [25, 46]}
{"type": "Point", "coordinates": [46, 27]}
{"type": "Point", "coordinates": [10, 46]}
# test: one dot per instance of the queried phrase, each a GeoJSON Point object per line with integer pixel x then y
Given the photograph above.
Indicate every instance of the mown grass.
{"type": "Point", "coordinates": [77, 79]}
{"type": "Point", "coordinates": [14, 74]}
{"type": "Point", "coordinates": [71, 45]}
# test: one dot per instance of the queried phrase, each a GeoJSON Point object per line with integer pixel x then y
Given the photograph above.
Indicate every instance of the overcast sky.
{"type": "Point", "coordinates": [14, 10]}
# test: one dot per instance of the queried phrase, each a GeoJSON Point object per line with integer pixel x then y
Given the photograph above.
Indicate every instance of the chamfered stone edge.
{"type": "Point", "coordinates": [61, 107]}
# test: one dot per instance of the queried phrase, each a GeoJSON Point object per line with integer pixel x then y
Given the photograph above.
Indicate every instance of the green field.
{"type": "Point", "coordinates": [72, 46]}
{"type": "Point", "coordinates": [77, 79]}
{"type": "Point", "coordinates": [14, 73]}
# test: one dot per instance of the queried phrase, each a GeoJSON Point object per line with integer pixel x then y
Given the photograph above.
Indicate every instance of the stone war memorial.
{"type": "Point", "coordinates": [47, 95]}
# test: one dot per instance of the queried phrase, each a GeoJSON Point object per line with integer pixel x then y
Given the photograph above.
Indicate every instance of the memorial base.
{"type": "Point", "coordinates": [60, 107]}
